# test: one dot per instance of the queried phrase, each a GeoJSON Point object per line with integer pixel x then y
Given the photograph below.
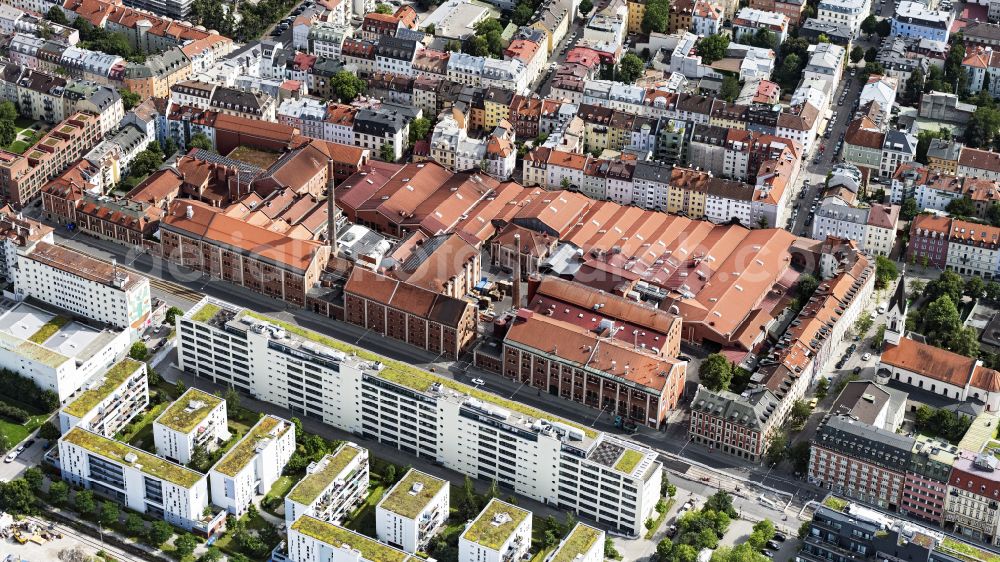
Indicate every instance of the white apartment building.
{"type": "Point", "coordinates": [749, 20]}
{"type": "Point", "coordinates": [465, 69]}
{"type": "Point", "coordinates": [57, 354]}
{"type": "Point", "coordinates": [85, 286]}
{"type": "Point", "coordinates": [332, 486]}
{"type": "Point", "coordinates": [110, 402]}
{"type": "Point", "coordinates": [251, 467]}
{"type": "Point", "coordinates": [134, 478]}
{"type": "Point", "coordinates": [899, 147]}
{"type": "Point", "coordinates": [502, 532]}
{"type": "Point", "coordinates": [532, 453]}
{"type": "Point", "coordinates": [848, 13]}
{"type": "Point", "coordinates": [196, 419]}
{"type": "Point", "coordinates": [873, 228]}
{"type": "Point", "coordinates": [412, 511]}
{"type": "Point", "coordinates": [315, 540]}
{"type": "Point", "coordinates": [583, 544]}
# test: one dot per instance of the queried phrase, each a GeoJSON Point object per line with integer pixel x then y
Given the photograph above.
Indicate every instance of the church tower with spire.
{"type": "Point", "coordinates": [895, 317]}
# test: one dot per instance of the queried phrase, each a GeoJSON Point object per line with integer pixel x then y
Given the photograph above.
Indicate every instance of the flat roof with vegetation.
{"type": "Point", "coordinates": [628, 461]}
{"type": "Point", "coordinates": [112, 380]}
{"type": "Point", "coordinates": [401, 499]}
{"type": "Point", "coordinates": [336, 536]}
{"type": "Point", "coordinates": [240, 455]}
{"type": "Point", "coordinates": [310, 487]}
{"type": "Point", "coordinates": [412, 377]}
{"type": "Point", "coordinates": [578, 543]}
{"type": "Point", "coordinates": [147, 463]}
{"type": "Point", "coordinates": [179, 417]}
{"type": "Point", "coordinates": [206, 312]}
{"type": "Point", "coordinates": [482, 531]}
{"type": "Point", "coordinates": [48, 329]}
{"type": "Point", "coordinates": [966, 551]}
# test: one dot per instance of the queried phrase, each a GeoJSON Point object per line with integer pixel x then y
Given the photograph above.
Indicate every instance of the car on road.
{"type": "Point", "coordinates": [478, 382]}
{"type": "Point", "coordinates": [29, 443]}
{"type": "Point", "coordinates": [813, 403]}
{"type": "Point", "coordinates": [671, 530]}
{"type": "Point", "coordinates": [773, 545]}
{"type": "Point", "coordinates": [10, 457]}
{"type": "Point", "coordinates": [20, 448]}
{"type": "Point", "coordinates": [856, 370]}
{"type": "Point", "coordinates": [767, 553]}
{"type": "Point", "coordinates": [780, 537]}
{"type": "Point", "coordinates": [866, 356]}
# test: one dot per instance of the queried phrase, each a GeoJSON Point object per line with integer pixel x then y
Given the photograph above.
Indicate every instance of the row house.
{"type": "Point", "coordinates": [965, 247]}
{"type": "Point", "coordinates": [873, 228]}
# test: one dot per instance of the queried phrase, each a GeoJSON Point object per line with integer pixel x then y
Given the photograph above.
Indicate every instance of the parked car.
{"type": "Point", "coordinates": [813, 403]}
{"type": "Point", "coordinates": [780, 537]}
{"type": "Point", "coordinates": [866, 356]}
{"type": "Point", "coordinates": [10, 457]}
{"type": "Point", "coordinates": [773, 545]}
{"type": "Point", "coordinates": [478, 382]}
{"type": "Point", "coordinates": [856, 370]}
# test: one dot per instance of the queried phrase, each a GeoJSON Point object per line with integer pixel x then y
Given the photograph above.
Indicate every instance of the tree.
{"type": "Point", "coordinates": [713, 47]}
{"type": "Point", "coordinates": [657, 17]}
{"type": "Point", "coordinates": [523, 13]}
{"type": "Point", "coordinates": [347, 86]}
{"type": "Point", "coordinates": [134, 525]}
{"type": "Point", "coordinates": [799, 456]}
{"type": "Point", "coordinates": [908, 210]}
{"type": "Point", "coordinates": [16, 497]}
{"type": "Point", "coordinates": [870, 24]}
{"type": "Point", "coordinates": [806, 287]}
{"type": "Point", "coordinates": [914, 86]}
{"type": "Point", "coordinates": [763, 531]}
{"type": "Point", "coordinates": [8, 111]}
{"type": "Point", "coordinates": [200, 140]}
{"type": "Point", "coordinates": [883, 28]}
{"type": "Point", "coordinates": [476, 46]}
{"type": "Point", "coordinates": [57, 15]}
{"type": "Point", "coordinates": [171, 315]}
{"type": "Point", "coordinates": [138, 351]}
{"type": "Point", "coordinates": [975, 287]}
{"type": "Point", "coordinates": [941, 320]}
{"type": "Point", "coordinates": [179, 387]}
{"type": "Point", "coordinates": [790, 68]}
{"type": "Point", "coordinates": [468, 500]}
{"type": "Point", "coordinates": [381, 8]}
{"type": "Point", "coordinates": [776, 448]}
{"type": "Point", "coordinates": [993, 291]}
{"type": "Point", "coordinates": [663, 549]}
{"type": "Point", "coordinates": [145, 163]}
{"type": "Point", "coordinates": [213, 554]}
{"type": "Point", "coordinates": [857, 53]}
{"type": "Point", "coordinates": [387, 152]}
{"type": "Point", "coordinates": [158, 533]}
{"type": "Point", "coordinates": [389, 474]}
{"type": "Point", "coordinates": [730, 89]}
{"type": "Point", "coordinates": [765, 39]}
{"type": "Point", "coordinates": [799, 413]}
{"type": "Point", "coordinates": [58, 492]}
{"type": "Point", "coordinates": [885, 272]}
{"type": "Point", "coordinates": [873, 69]}
{"type": "Point", "coordinates": [454, 45]}
{"type": "Point", "coordinates": [871, 54]}
{"type": "Point", "coordinates": [630, 68]}
{"type": "Point", "coordinates": [185, 545]}
{"type": "Point", "coordinates": [493, 491]}
{"type": "Point", "coordinates": [232, 399]}
{"type": "Point", "coordinates": [586, 6]}
{"type": "Point", "coordinates": [8, 133]}
{"type": "Point", "coordinates": [84, 502]}
{"type": "Point", "coordinates": [961, 207]}
{"type": "Point", "coordinates": [965, 342]}
{"type": "Point", "coordinates": [982, 127]}
{"type": "Point", "coordinates": [130, 99]}
{"type": "Point", "coordinates": [34, 477]}
{"type": "Point", "coordinates": [609, 549]}
{"type": "Point", "coordinates": [715, 372]}
{"type": "Point", "coordinates": [822, 387]}
{"type": "Point", "coordinates": [109, 513]}
{"type": "Point", "coordinates": [721, 502]}
{"type": "Point", "coordinates": [419, 128]}
{"type": "Point", "coordinates": [49, 432]}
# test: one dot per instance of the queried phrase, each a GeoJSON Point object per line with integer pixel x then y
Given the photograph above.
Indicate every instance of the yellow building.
{"type": "Point", "coordinates": [636, 11]}
{"type": "Point", "coordinates": [942, 156]}
{"type": "Point", "coordinates": [496, 106]}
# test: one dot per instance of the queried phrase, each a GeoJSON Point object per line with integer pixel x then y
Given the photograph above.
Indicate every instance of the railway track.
{"type": "Point", "coordinates": [174, 289]}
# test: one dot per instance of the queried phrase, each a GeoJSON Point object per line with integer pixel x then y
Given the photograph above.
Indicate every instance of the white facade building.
{"type": "Point", "coordinates": [848, 13]}
{"type": "Point", "coordinates": [541, 456]}
{"type": "Point", "coordinates": [196, 419]}
{"type": "Point", "coordinates": [412, 511]}
{"type": "Point", "coordinates": [135, 479]}
{"type": "Point", "coordinates": [332, 486]}
{"type": "Point", "coordinates": [251, 467]}
{"type": "Point", "coordinates": [314, 540]}
{"type": "Point", "coordinates": [85, 286]}
{"type": "Point", "coordinates": [583, 544]}
{"type": "Point", "coordinates": [110, 402]}
{"type": "Point", "coordinates": [502, 532]}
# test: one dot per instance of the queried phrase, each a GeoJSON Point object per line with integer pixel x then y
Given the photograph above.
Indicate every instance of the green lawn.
{"type": "Point", "coordinates": [22, 123]}
{"type": "Point", "coordinates": [282, 486]}
{"type": "Point", "coordinates": [363, 518]}
{"type": "Point", "coordinates": [142, 429]}
{"type": "Point", "coordinates": [227, 542]}
{"type": "Point", "coordinates": [18, 147]}
{"type": "Point", "coordinates": [16, 432]}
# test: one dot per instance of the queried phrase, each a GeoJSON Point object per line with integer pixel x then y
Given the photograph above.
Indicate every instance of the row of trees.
{"type": "Point", "coordinates": [941, 423]}
{"type": "Point", "coordinates": [25, 391]}
{"type": "Point", "coordinates": [698, 529]}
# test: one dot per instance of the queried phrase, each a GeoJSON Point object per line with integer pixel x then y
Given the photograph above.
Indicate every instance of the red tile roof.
{"type": "Point", "coordinates": [929, 361]}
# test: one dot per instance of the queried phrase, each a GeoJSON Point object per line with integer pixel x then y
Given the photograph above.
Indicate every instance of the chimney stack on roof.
{"type": "Point", "coordinates": [516, 293]}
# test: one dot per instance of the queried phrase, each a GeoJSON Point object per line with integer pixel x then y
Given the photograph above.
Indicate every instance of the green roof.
{"type": "Point", "coordinates": [112, 380]}
{"type": "Point", "coordinates": [835, 503]}
{"type": "Point", "coordinates": [48, 329]}
{"type": "Point", "coordinates": [400, 500]}
{"type": "Point", "coordinates": [206, 312]}
{"type": "Point", "coordinates": [150, 464]}
{"type": "Point", "coordinates": [966, 551]}
{"type": "Point", "coordinates": [628, 461]}
{"type": "Point", "coordinates": [331, 534]}
{"type": "Point", "coordinates": [578, 543]}
{"type": "Point", "coordinates": [240, 455]}
{"type": "Point", "coordinates": [179, 418]}
{"type": "Point", "coordinates": [485, 533]}
{"type": "Point", "coordinates": [417, 379]}
{"type": "Point", "coordinates": [310, 487]}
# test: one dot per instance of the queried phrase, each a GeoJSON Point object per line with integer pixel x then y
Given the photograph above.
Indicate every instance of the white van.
{"type": "Point", "coordinates": [882, 307]}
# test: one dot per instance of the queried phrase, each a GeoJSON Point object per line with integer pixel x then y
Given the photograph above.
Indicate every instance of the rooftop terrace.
{"type": "Point", "coordinates": [240, 455]}
{"type": "Point", "coordinates": [492, 529]}
{"type": "Point", "coordinates": [131, 456]}
{"type": "Point", "coordinates": [310, 487]}
{"type": "Point", "coordinates": [331, 534]}
{"type": "Point", "coordinates": [189, 410]}
{"type": "Point", "coordinates": [578, 543]}
{"type": "Point", "coordinates": [111, 380]}
{"type": "Point", "coordinates": [412, 494]}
